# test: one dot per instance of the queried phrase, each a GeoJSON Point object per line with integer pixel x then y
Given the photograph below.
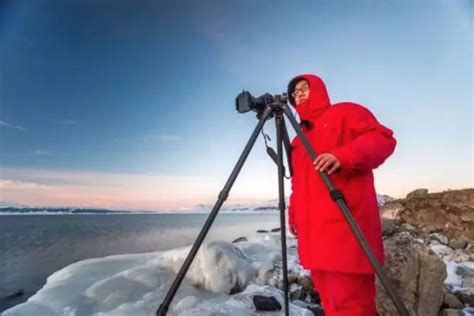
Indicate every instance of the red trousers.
{"type": "Point", "coordinates": [344, 294]}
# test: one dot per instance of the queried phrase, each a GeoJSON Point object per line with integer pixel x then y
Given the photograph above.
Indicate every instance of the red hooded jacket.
{"type": "Point", "coordinates": [352, 134]}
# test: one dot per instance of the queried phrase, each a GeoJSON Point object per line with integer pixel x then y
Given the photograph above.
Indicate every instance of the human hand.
{"type": "Point", "coordinates": [326, 162]}
{"type": "Point", "coordinates": [293, 229]}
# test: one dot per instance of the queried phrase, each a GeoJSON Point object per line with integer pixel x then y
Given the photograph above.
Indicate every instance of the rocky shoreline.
{"type": "Point", "coordinates": [429, 254]}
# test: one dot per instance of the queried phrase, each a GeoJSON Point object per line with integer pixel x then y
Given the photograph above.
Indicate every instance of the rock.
{"type": "Point", "coordinates": [262, 231]}
{"type": "Point", "coordinates": [451, 301]}
{"type": "Point", "coordinates": [460, 256]}
{"type": "Point", "coordinates": [388, 226]}
{"type": "Point", "coordinates": [12, 294]}
{"type": "Point", "coordinates": [450, 312]}
{"type": "Point", "coordinates": [316, 309]}
{"type": "Point", "coordinates": [390, 210]}
{"type": "Point", "coordinates": [418, 193]}
{"type": "Point", "coordinates": [240, 239]}
{"type": "Point", "coordinates": [416, 272]}
{"type": "Point", "coordinates": [450, 213]}
{"type": "Point", "coordinates": [274, 230]}
{"type": "Point", "coordinates": [298, 294]}
{"type": "Point", "coordinates": [466, 298]}
{"type": "Point", "coordinates": [439, 238]}
{"type": "Point", "coordinates": [306, 283]}
{"type": "Point", "coordinates": [457, 243]}
{"type": "Point", "coordinates": [464, 271]}
{"type": "Point", "coordinates": [468, 282]}
{"type": "Point", "coordinates": [408, 228]}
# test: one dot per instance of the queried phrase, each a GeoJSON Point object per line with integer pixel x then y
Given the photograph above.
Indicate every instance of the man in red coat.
{"type": "Point", "coordinates": [350, 143]}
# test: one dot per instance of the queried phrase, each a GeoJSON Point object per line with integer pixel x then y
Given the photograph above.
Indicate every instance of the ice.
{"type": "Point", "coordinates": [454, 264]}
{"type": "Point", "coordinates": [221, 281]}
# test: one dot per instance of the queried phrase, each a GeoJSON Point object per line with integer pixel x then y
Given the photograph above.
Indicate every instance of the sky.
{"type": "Point", "coordinates": [131, 104]}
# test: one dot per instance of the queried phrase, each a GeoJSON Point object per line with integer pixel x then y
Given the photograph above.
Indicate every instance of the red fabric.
{"type": "Point", "coordinates": [351, 133]}
{"type": "Point", "coordinates": [345, 294]}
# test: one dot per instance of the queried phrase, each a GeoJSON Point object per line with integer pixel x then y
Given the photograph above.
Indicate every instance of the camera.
{"type": "Point", "coordinates": [245, 102]}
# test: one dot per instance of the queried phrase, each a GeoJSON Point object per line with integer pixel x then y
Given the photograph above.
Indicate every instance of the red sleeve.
{"type": "Point", "coordinates": [371, 145]}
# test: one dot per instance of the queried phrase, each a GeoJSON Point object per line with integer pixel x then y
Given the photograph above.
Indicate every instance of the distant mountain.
{"type": "Point", "coordinates": [10, 204]}
{"type": "Point", "coordinates": [266, 206]}
{"type": "Point", "coordinates": [60, 211]}
{"type": "Point", "coordinates": [382, 199]}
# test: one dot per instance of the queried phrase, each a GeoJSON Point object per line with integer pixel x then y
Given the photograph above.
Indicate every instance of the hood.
{"type": "Point", "coordinates": [318, 99]}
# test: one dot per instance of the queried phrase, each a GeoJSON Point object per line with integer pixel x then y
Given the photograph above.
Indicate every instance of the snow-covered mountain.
{"type": "Point", "coordinates": [267, 206]}
{"type": "Point", "coordinates": [60, 211]}
{"type": "Point", "coordinates": [10, 204]}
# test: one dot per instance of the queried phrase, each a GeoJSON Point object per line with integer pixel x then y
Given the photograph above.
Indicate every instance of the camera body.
{"type": "Point", "coordinates": [245, 102]}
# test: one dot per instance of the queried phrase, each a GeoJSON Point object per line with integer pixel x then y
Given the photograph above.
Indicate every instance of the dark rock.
{"type": "Point", "coordinates": [388, 226]}
{"type": "Point", "coordinates": [464, 271]}
{"type": "Point", "coordinates": [13, 294]}
{"type": "Point", "coordinates": [466, 298]}
{"type": "Point", "coordinates": [317, 310]}
{"type": "Point", "coordinates": [240, 239]}
{"type": "Point", "coordinates": [451, 312]}
{"type": "Point", "coordinates": [306, 283]}
{"type": "Point", "coordinates": [451, 301]}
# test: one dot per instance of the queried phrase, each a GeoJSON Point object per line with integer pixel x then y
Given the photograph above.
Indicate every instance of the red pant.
{"type": "Point", "coordinates": [344, 294]}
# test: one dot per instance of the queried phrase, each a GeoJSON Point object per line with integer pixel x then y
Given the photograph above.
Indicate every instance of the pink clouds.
{"type": "Point", "coordinates": [104, 190]}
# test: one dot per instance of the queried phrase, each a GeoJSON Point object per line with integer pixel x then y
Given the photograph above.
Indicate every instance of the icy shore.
{"type": "Point", "coordinates": [137, 284]}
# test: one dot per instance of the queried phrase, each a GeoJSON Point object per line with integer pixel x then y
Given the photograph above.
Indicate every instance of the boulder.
{"type": "Point", "coordinates": [451, 312]}
{"type": "Point", "coordinates": [451, 301]}
{"type": "Point", "coordinates": [417, 273]}
{"type": "Point", "coordinates": [457, 243]}
{"type": "Point", "coordinates": [417, 193]}
{"type": "Point", "coordinates": [388, 226]}
{"type": "Point", "coordinates": [450, 213]}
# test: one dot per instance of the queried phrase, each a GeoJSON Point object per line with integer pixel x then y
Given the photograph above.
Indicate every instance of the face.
{"type": "Point", "coordinates": [301, 91]}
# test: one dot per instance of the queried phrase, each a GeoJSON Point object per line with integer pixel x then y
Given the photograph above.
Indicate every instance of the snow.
{"type": "Point", "coordinates": [454, 260]}
{"type": "Point", "coordinates": [136, 284]}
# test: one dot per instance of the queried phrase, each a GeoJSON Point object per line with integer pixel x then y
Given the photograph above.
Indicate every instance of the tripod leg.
{"type": "Point", "coordinates": [339, 199]}
{"type": "Point", "coordinates": [162, 310]}
{"type": "Point", "coordinates": [281, 193]}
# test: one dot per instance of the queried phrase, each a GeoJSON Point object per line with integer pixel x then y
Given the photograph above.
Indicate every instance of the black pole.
{"type": "Point", "coordinates": [281, 194]}
{"type": "Point", "coordinates": [339, 199]}
{"type": "Point", "coordinates": [163, 309]}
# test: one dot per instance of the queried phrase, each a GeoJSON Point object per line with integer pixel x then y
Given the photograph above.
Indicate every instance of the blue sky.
{"type": "Point", "coordinates": [101, 99]}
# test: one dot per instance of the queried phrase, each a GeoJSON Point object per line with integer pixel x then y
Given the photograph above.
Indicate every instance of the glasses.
{"type": "Point", "coordinates": [302, 89]}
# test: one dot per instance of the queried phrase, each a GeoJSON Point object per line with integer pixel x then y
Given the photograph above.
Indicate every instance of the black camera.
{"type": "Point", "coordinates": [245, 102]}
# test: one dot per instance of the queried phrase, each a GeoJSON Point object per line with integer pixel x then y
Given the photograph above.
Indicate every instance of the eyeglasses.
{"type": "Point", "coordinates": [302, 89]}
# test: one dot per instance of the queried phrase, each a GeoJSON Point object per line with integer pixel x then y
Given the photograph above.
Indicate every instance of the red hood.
{"type": "Point", "coordinates": [318, 99]}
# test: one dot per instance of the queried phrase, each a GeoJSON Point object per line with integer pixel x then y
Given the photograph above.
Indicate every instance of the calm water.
{"type": "Point", "coordinates": [33, 246]}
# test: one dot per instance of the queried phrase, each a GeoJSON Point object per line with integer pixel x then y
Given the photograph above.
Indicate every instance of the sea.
{"type": "Point", "coordinates": [32, 247]}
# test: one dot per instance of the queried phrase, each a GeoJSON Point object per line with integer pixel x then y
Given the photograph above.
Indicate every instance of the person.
{"type": "Point", "coordinates": [349, 143]}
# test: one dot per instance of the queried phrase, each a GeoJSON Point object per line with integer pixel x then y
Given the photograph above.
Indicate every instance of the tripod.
{"type": "Point", "coordinates": [278, 108]}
